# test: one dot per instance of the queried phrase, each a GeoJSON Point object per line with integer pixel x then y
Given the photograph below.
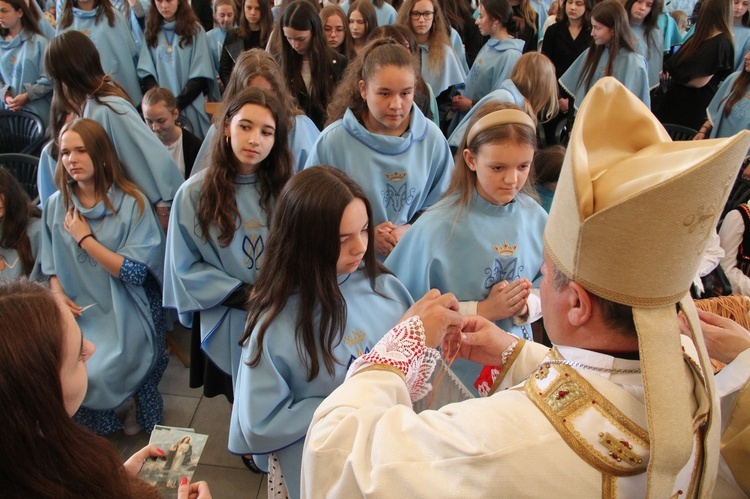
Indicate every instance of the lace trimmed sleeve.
{"type": "Point", "coordinates": [403, 349]}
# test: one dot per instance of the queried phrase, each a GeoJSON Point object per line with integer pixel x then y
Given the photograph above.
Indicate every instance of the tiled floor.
{"type": "Point", "coordinates": [227, 477]}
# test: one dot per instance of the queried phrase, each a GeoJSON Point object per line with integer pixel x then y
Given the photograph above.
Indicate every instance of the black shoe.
{"type": "Point", "coordinates": [250, 464]}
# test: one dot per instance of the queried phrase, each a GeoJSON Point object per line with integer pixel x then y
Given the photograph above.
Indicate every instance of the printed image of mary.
{"type": "Point", "coordinates": [178, 456]}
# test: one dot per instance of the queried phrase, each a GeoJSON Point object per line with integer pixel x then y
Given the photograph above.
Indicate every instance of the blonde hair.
{"type": "Point", "coordinates": [534, 76]}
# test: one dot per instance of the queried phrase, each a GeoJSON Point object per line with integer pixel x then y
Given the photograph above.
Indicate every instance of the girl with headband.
{"type": "Point", "coordinates": [483, 241]}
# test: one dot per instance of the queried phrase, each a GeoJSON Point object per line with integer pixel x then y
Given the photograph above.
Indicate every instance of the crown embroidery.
{"type": "Point", "coordinates": [396, 176]}
{"type": "Point", "coordinates": [480, 61]}
{"type": "Point", "coordinates": [619, 450]}
{"type": "Point", "coordinates": [87, 32]}
{"type": "Point", "coordinates": [13, 59]}
{"type": "Point", "coordinates": [506, 249]}
{"type": "Point", "coordinates": [355, 337]}
{"type": "Point", "coordinates": [253, 224]}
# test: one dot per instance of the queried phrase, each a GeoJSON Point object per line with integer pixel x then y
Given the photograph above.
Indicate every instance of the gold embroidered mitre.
{"type": "Point", "coordinates": [629, 221]}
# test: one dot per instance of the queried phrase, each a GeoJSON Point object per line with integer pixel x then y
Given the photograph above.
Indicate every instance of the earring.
{"type": "Point", "coordinates": [226, 137]}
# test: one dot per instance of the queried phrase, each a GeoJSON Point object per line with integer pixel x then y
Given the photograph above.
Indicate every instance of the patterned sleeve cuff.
{"type": "Point", "coordinates": [403, 349]}
{"type": "Point", "coordinates": [133, 273]}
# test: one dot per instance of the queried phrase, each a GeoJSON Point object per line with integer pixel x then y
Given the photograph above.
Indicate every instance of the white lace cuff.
{"type": "Point", "coordinates": [403, 348]}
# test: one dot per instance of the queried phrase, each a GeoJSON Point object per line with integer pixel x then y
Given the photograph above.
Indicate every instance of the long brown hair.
{"type": "Point", "coordinates": [75, 71]}
{"type": "Point", "coordinates": [562, 15]}
{"type": "Point", "coordinates": [650, 23]}
{"type": "Point", "coordinates": [738, 91]}
{"type": "Point", "coordinates": [186, 24]}
{"type": "Point", "coordinates": [258, 62]}
{"type": "Point", "coordinates": [463, 182]}
{"type": "Point", "coordinates": [303, 248]}
{"type": "Point", "coordinates": [714, 15]}
{"type": "Point", "coordinates": [103, 9]}
{"type": "Point", "coordinates": [611, 14]}
{"type": "Point", "coordinates": [107, 168]}
{"type": "Point", "coordinates": [334, 10]}
{"type": "Point", "coordinates": [216, 203]}
{"type": "Point", "coordinates": [18, 210]}
{"type": "Point", "coordinates": [439, 39]}
{"type": "Point", "coordinates": [526, 16]}
{"type": "Point", "coordinates": [44, 452]}
{"type": "Point", "coordinates": [266, 22]}
{"type": "Point", "coordinates": [29, 22]}
{"type": "Point", "coordinates": [367, 11]}
{"type": "Point", "coordinates": [375, 55]}
{"type": "Point", "coordinates": [301, 15]}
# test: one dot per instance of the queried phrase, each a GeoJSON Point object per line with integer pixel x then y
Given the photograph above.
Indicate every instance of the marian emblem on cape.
{"type": "Point", "coordinates": [252, 244]}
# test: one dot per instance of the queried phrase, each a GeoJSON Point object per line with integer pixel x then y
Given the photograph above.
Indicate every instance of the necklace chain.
{"type": "Point", "coordinates": [591, 368]}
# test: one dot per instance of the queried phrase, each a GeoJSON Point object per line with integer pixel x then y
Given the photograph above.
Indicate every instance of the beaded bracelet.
{"type": "Point", "coordinates": [80, 241]}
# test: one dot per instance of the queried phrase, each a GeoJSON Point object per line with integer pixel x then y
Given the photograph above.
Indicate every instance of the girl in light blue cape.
{"type": "Point", "coordinates": [647, 37]}
{"type": "Point", "coordinates": [532, 85]}
{"type": "Point", "coordinates": [175, 56]}
{"type": "Point", "coordinates": [483, 241]}
{"type": "Point", "coordinates": [103, 249]}
{"type": "Point", "coordinates": [20, 231]}
{"type": "Point", "coordinates": [613, 54]}
{"type": "Point", "coordinates": [729, 111]}
{"type": "Point", "coordinates": [109, 31]}
{"type": "Point", "coordinates": [257, 67]}
{"type": "Point", "coordinates": [741, 32]}
{"type": "Point", "coordinates": [384, 11]}
{"type": "Point", "coordinates": [441, 67]}
{"type": "Point", "coordinates": [82, 89]}
{"type": "Point", "coordinates": [320, 301]}
{"type": "Point", "coordinates": [23, 83]}
{"type": "Point", "coordinates": [494, 62]}
{"type": "Point", "coordinates": [384, 142]}
{"type": "Point", "coordinates": [217, 237]}
{"type": "Point", "coordinates": [224, 14]}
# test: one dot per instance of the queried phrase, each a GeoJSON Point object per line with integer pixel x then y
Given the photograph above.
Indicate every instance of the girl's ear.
{"type": "Point", "coordinates": [363, 89]}
{"type": "Point", "coordinates": [470, 160]}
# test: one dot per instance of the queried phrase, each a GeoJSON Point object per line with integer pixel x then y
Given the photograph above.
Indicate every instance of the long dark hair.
{"type": "Point", "coordinates": [650, 23]}
{"type": "Point", "coordinates": [103, 9]}
{"type": "Point", "coordinates": [18, 211]}
{"type": "Point", "coordinates": [60, 458]}
{"type": "Point", "coordinates": [29, 21]}
{"type": "Point", "coordinates": [714, 15]}
{"type": "Point", "coordinates": [303, 248]}
{"type": "Point", "coordinates": [107, 168]}
{"type": "Point", "coordinates": [611, 14]}
{"type": "Point", "coordinates": [186, 24]}
{"type": "Point", "coordinates": [266, 22]}
{"type": "Point", "coordinates": [562, 15]}
{"type": "Point", "coordinates": [738, 91]}
{"type": "Point", "coordinates": [300, 15]}
{"type": "Point", "coordinates": [216, 203]}
{"type": "Point", "coordinates": [75, 71]}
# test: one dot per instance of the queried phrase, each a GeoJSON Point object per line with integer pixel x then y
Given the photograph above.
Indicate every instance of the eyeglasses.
{"type": "Point", "coordinates": [416, 15]}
